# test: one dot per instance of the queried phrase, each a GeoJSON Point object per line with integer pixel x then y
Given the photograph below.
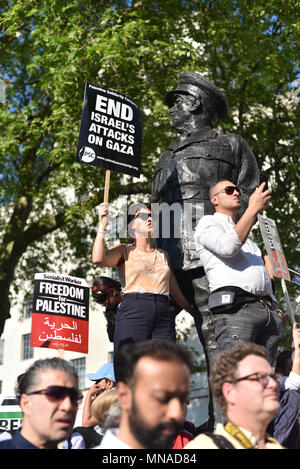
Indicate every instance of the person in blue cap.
{"type": "Point", "coordinates": [103, 379]}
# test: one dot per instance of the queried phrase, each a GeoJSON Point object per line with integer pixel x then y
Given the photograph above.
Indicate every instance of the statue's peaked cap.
{"type": "Point", "coordinates": [194, 84]}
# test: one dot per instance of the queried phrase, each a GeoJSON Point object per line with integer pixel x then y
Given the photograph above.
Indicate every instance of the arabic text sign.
{"type": "Point", "coordinates": [273, 246]}
{"type": "Point", "coordinates": [60, 315]}
{"type": "Point", "coordinates": [110, 134]}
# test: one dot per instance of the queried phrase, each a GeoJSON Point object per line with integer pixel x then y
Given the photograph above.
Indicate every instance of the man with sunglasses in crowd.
{"type": "Point", "coordinates": [241, 291]}
{"type": "Point", "coordinates": [247, 391]}
{"type": "Point", "coordinates": [49, 398]}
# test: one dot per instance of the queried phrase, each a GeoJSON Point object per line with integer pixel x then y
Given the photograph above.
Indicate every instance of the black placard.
{"type": "Point", "coordinates": [111, 131]}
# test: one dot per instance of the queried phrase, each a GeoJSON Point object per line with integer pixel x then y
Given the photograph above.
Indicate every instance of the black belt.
{"type": "Point", "coordinates": [247, 297]}
{"type": "Point", "coordinates": [147, 296]}
{"type": "Point", "coordinates": [241, 297]}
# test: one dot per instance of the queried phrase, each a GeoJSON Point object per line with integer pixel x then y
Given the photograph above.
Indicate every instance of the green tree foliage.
{"type": "Point", "coordinates": [50, 48]}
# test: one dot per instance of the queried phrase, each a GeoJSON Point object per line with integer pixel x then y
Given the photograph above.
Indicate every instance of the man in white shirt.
{"type": "Point", "coordinates": [152, 387]}
{"type": "Point", "coordinates": [240, 286]}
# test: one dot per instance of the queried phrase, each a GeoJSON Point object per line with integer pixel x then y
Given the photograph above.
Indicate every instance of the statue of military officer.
{"type": "Point", "coordinates": [184, 173]}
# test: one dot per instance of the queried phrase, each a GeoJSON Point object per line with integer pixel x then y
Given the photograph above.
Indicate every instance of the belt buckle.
{"type": "Point", "coordinates": [265, 302]}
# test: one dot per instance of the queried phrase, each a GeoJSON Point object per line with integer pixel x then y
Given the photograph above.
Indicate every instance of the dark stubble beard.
{"type": "Point", "coordinates": [152, 437]}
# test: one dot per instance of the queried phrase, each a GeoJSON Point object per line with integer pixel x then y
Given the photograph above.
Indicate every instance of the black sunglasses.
{"type": "Point", "coordinates": [101, 299]}
{"type": "Point", "coordinates": [59, 393]}
{"type": "Point", "coordinates": [229, 190]}
{"type": "Point", "coordinates": [143, 215]}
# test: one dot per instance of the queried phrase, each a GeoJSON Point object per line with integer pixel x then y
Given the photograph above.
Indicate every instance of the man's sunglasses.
{"type": "Point", "coordinates": [229, 190]}
{"type": "Point", "coordinates": [59, 393]}
{"type": "Point", "coordinates": [143, 215]}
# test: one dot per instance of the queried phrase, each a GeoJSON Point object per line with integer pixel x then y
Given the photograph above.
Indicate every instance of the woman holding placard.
{"type": "Point", "coordinates": [147, 279]}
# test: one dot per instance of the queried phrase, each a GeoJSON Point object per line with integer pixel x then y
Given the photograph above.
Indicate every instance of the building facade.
{"type": "Point", "coordinates": [16, 355]}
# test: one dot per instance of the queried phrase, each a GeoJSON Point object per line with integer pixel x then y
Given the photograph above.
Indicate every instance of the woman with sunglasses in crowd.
{"type": "Point", "coordinates": [147, 279]}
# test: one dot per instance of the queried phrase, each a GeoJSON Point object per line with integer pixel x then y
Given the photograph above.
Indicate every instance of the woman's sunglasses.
{"type": "Point", "coordinates": [229, 190]}
{"type": "Point", "coordinates": [143, 215]}
{"type": "Point", "coordinates": [101, 299]}
{"type": "Point", "coordinates": [59, 393]}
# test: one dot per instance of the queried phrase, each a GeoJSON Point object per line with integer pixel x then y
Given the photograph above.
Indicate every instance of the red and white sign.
{"type": "Point", "coordinates": [60, 315]}
{"type": "Point", "coordinates": [273, 246]}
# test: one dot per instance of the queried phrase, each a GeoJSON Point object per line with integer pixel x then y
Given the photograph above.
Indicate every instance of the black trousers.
{"type": "Point", "coordinates": [250, 322]}
{"type": "Point", "coordinates": [144, 316]}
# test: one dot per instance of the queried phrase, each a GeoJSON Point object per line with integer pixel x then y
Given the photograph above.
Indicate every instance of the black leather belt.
{"type": "Point", "coordinates": [248, 298]}
{"type": "Point", "coordinates": [242, 296]}
{"type": "Point", "coordinates": [148, 296]}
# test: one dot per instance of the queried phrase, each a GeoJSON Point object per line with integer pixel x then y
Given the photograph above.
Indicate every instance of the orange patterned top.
{"type": "Point", "coordinates": [144, 272]}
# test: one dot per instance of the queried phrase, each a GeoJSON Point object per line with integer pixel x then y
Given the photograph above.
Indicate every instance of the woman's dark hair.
{"type": "Point", "coordinates": [102, 286]}
{"type": "Point", "coordinates": [26, 381]}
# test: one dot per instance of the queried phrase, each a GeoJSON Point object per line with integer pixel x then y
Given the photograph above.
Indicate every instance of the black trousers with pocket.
{"type": "Point", "coordinates": [144, 316]}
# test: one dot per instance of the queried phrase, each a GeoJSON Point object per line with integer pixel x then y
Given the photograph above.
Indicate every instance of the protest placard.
{"type": "Point", "coordinates": [60, 314]}
{"type": "Point", "coordinates": [110, 134]}
{"type": "Point", "coordinates": [276, 256]}
{"type": "Point", "coordinates": [273, 247]}
{"type": "Point", "coordinates": [296, 279]}
{"type": "Point", "coordinates": [10, 414]}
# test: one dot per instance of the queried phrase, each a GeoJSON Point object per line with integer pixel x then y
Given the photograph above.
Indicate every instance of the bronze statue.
{"type": "Point", "coordinates": [185, 172]}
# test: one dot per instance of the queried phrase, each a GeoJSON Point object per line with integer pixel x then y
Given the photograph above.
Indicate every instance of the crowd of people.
{"type": "Point", "coordinates": [140, 400]}
{"type": "Point", "coordinates": [217, 274]}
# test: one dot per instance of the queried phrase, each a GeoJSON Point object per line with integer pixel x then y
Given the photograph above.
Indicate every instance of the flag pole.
{"type": "Point", "coordinates": [106, 192]}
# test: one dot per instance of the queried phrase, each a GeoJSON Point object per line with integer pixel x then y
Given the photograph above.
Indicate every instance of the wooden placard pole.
{"type": "Point", "coordinates": [106, 187]}
{"type": "Point", "coordinates": [287, 300]}
{"type": "Point", "coordinates": [106, 192]}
